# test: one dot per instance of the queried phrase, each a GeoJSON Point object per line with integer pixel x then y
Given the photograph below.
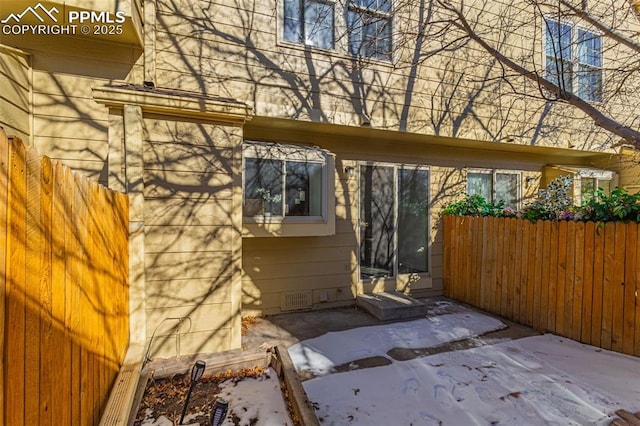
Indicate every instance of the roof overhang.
{"type": "Point", "coordinates": [298, 130]}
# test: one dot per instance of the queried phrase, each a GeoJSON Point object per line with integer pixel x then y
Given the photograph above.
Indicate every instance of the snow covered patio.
{"type": "Point", "coordinates": [455, 366]}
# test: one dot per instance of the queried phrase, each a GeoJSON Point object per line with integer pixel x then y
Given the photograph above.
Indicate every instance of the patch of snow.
{"type": "Point", "coordinates": [534, 381]}
{"type": "Point", "coordinates": [259, 398]}
{"type": "Point", "coordinates": [321, 354]}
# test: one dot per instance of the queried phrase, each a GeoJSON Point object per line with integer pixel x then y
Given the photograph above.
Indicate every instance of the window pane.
{"type": "Point", "coordinates": [587, 188]}
{"type": "Point", "coordinates": [589, 72]}
{"type": "Point", "coordinates": [480, 183]}
{"type": "Point", "coordinates": [605, 185]}
{"type": "Point", "coordinates": [292, 23]}
{"type": "Point", "coordinates": [558, 40]}
{"type": "Point", "coordinates": [413, 221]}
{"type": "Point", "coordinates": [376, 221]}
{"type": "Point", "coordinates": [262, 187]}
{"type": "Point", "coordinates": [379, 5]}
{"type": "Point", "coordinates": [304, 189]}
{"type": "Point", "coordinates": [318, 27]}
{"type": "Point", "coordinates": [369, 32]}
{"type": "Point", "coordinates": [589, 48]}
{"type": "Point", "coordinates": [554, 68]}
{"type": "Point", "coordinates": [558, 54]}
{"type": "Point", "coordinates": [507, 189]}
{"type": "Point", "coordinates": [354, 24]}
{"type": "Point", "coordinates": [589, 83]}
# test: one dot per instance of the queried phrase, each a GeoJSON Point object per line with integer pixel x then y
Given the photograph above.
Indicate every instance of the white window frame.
{"type": "Point", "coordinates": [493, 173]}
{"type": "Point", "coordinates": [280, 4]}
{"type": "Point", "coordinates": [574, 61]}
{"type": "Point", "coordinates": [396, 275]}
{"type": "Point", "coordinates": [597, 175]}
{"type": "Point", "coordinates": [297, 226]}
{"type": "Point", "coordinates": [351, 7]}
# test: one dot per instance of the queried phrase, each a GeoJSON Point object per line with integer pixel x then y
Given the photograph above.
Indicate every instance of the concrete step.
{"type": "Point", "coordinates": [391, 305]}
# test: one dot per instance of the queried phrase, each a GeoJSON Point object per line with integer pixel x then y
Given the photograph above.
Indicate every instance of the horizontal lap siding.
{"type": "Point", "coordinates": [285, 81]}
{"type": "Point", "coordinates": [190, 231]}
{"type": "Point", "coordinates": [578, 280]}
{"type": "Point", "coordinates": [272, 266]}
{"type": "Point", "coordinates": [15, 102]}
{"type": "Point", "coordinates": [68, 125]}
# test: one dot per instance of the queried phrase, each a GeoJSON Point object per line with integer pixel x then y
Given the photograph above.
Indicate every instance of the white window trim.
{"type": "Point", "coordinates": [340, 34]}
{"type": "Point", "coordinates": [396, 276]}
{"type": "Point", "coordinates": [260, 225]}
{"type": "Point", "coordinates": [338, 20]}
{"type": "Point", "coordinates": [388, 15]}
{"type": "Point", "coordinates": [493, 173]}
{"type": "Point", "coordinates": [574, 52]}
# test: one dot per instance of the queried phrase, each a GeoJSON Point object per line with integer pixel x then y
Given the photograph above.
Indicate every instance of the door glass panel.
{"type": "Point", "coordinates": [376, 221]}
{"type": "Point", "coordinates": [413, 221]}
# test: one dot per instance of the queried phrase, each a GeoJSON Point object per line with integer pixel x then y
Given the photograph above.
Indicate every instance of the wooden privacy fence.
{"type": "Point", "coordinates": [63, 290]}
{"type": "Point", "coordinates": [575, 279]}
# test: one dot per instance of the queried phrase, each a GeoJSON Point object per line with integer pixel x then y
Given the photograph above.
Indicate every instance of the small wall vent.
{"type": "Point", "coordinates": [296, 300]}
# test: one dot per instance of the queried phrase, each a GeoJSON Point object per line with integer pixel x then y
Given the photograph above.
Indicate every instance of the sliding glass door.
{"type": "Point", "coordinates": [394, 223]}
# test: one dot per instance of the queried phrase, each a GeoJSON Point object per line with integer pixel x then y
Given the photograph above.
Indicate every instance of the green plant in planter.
{"type": "Point", "coordinates": [476, 205]}
{"type": "Point", "coordinates": [619, 206]}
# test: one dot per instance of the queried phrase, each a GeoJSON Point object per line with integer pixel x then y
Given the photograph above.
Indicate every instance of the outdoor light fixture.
{"type": "Point", "coordinates": [219, 412]}
{"type": "Point", "coordinates": [196, 374]}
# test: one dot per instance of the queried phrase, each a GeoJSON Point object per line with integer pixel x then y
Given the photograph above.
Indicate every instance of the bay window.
{"type": "Point", "coordinates": [287, 184]}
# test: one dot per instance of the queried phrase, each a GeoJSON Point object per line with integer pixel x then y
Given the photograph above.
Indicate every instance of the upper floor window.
{"type": "Point", "coordinates": [495, 186]}
{"type": "Point", "coordinates": [369, 28]}
{"type": "Point", "coordinates": [574, 59]}
{"type": "Point", "coordinates": [310, 22]}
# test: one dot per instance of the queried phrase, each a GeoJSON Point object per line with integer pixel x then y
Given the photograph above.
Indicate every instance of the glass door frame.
{"type": "Point", "coordinates": [395, 167]}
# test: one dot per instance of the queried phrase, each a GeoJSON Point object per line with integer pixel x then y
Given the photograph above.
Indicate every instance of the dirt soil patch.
{"type": "Point", "coordinates": [166, 396]}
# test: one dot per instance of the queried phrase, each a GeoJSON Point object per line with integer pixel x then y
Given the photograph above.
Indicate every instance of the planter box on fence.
{"type": "Point", "coordinates": [575, 279]}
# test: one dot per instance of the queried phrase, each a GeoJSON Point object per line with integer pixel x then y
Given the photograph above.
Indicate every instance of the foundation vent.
{"type": "Point", "coordinates": [296, 300]}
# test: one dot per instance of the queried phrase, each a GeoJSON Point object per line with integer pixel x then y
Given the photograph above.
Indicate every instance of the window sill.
{"type": "Point", "coordinates": [277, 226]}
{"type": "Point", "coordinates": [336, 54]}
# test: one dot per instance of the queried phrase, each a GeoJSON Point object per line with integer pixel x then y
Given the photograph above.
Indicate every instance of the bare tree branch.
{"type": "Point", "coordinates": [629, 135]}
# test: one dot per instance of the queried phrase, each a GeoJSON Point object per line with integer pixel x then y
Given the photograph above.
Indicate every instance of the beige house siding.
{"type": "Point", "coordinates": [192, 235]}
{"type": "Point", "coordinates": [179, 157]}
{"type": "Point", "coordinates": [328, 266]}
{"type": "Point", "coordinates": [15, 93]}
{"type": "Point", "coordinates": [51, 103]}
{"type": "Point", "coordinates": [237, 51]}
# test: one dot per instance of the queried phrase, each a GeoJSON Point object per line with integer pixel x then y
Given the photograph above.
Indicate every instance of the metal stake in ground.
{"type": "Point", "coordinates": [196, 373]}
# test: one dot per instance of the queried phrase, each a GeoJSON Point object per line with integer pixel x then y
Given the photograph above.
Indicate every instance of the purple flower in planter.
{"type": "Point", "coordinates": [567, 215]}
